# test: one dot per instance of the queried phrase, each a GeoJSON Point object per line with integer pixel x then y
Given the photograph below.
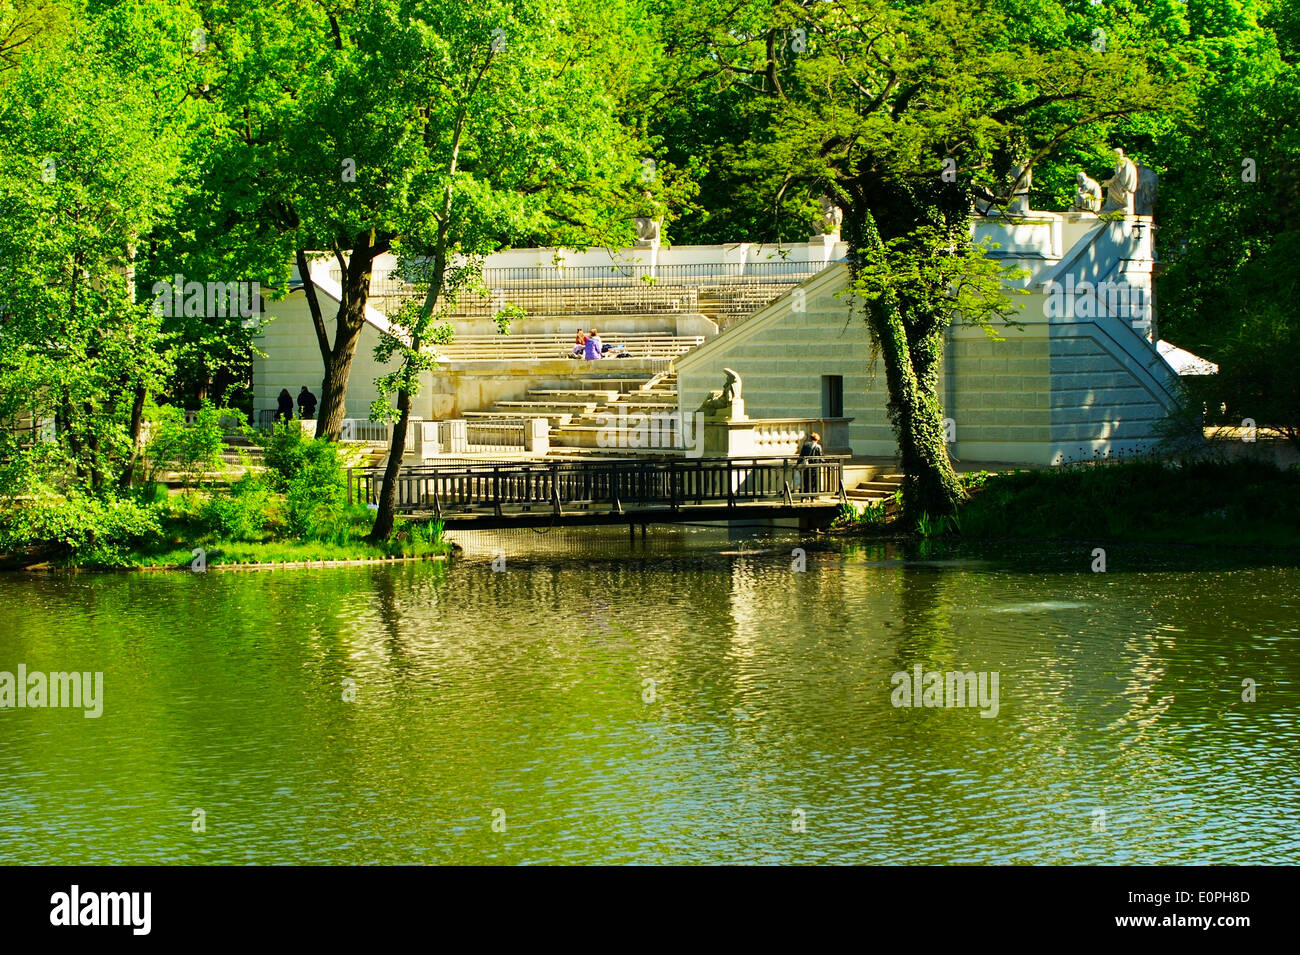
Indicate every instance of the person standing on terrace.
{"type": "Point", "coordinates": [591, 349]}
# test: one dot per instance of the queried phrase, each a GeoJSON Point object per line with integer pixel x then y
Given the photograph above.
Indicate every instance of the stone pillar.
{"type": "Point", "coordinates": [821, 248]}
{"type": "Point", "coordinates": [453, 436]}
{"type": "Point", "coordinates": [413, 434]}
{"type": "Point", "coordinates": [725, 438]}
{"type": "Point", "coordinates": [427, 446]}
{"type": "Point", "coordinates": [537, 436]}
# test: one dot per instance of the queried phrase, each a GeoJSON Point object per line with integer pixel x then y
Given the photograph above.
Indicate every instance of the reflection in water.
{"type": "Point", "coordinates": [528, 690]}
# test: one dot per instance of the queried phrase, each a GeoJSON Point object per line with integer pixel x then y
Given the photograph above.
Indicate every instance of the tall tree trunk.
{"type": "Point", "coordinates": [137, 425]}
{"type": "Point", "coordinates": [96, 472]}
{"type": "Point", "coordinates": [911, 347]}
{"type": "Point", "coordinates": [383, 525]}
{"type": "Point", "coordinates": [140, 392]}
{"type": "Point", "coordinates": [334, 386]}
{"type": "Point", "coordinates": [385, 517]}
{"type": "Point", "coordinates": [349, 321]}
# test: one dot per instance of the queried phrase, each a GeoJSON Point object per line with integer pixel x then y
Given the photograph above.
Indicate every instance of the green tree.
{"type": "Point", "coordinates": [516, 137]}
{"type": "Point", "coordinates": [1230, 203]}
{"type": "Point", "coordinates": [90, 153]}
{"type": "Point", "coordinates": [871, 102]}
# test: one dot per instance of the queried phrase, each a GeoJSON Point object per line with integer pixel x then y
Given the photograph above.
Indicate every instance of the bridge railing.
{"type": "Point", "coordinates": [729, 481]}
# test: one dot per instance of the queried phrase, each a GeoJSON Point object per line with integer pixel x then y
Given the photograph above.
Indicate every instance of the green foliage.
{"type": "Point", "coordinates": [929, 525]}
{"type": "Point", "coordinates": [85, 529]}
{"type": "Point", "coordinates": [424, 532]}
{"type": "Point", "coordinates": [287, 451]}
{"type": "Point", "coordinates": [1241, 501]}
{"type": "Point", "coordinates": [90, 155]}
{"type": "Point", "coordinates": [1229, 213]}
{"type": "Point", "coordinates": [189, 448]}
{"type": "Point", "coordinates": [246, 513]}
{"type": "Point", "coordinates": [869, 516]}
{"type": "Point", "coordinates": [316, 496]}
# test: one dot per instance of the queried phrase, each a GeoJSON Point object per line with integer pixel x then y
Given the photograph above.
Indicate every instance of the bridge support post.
{"type": "Point", "coordinates": [789, 498]}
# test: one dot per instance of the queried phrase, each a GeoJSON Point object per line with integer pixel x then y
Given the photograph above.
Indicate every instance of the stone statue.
{"type": "Point", "coordinates": [732, 388]}
{"type": "Point", "coordinates": [1144, 203]}
{"type": "Point", "coordinates": [1121, 186]}
{"type": "Point", "coordinates": [830, 219]}
{"type": "Point", "coordinates": [647, 231]}
{"type": "Point", "coordinates": [1087, 193]}
{"type": "Point", "coordinates": [725, 402]}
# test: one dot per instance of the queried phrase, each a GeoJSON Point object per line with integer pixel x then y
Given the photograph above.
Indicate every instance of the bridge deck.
{"type": "Point", "coordinates": [585, 492]}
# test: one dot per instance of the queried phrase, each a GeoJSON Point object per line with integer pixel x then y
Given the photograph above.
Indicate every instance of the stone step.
{"type": "Point", "coordinates": [655, 394]}
{"type": "Point", "coordinates": [611, 384]}
{"type": "Point", "coordinates": [554, 419]}
{"type": "Point", "coordinates": [632, 406]}
{"type": "Point", "coordinates": [587, 436]}
{"type": "Point", "coordinates": [579, 453]}
{"type": "Point", "coordinates": [560, 394]}
{"type": "Point", "coordinates": [874, 497]}
{"type": "Point", "coordinates": [885, 487]}
{"type": "Point", "coordinates": [543, 408]}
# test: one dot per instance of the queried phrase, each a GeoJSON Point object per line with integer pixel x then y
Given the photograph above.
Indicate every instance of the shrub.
{"type": "Point", "coordinates": [189, 448]}
{"type": "Point", "coordinates": [283, 452]}
{"type": "Point", "coordinates": [316, 493]}
{"type": "Point", "coordinates": [871, 515]}
{"type": "Point", "coordinates": [245, 514]}
{"type": "Point", "coordinates": [88, 530]}
{"type": "Point", "coordinates": [426, 532]}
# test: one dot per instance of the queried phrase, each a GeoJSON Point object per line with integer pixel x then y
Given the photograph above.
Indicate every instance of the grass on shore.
{"type": "Point", "coordinates": [218, 553]}
{"type": "Point", "coordinates": [1241, 502]}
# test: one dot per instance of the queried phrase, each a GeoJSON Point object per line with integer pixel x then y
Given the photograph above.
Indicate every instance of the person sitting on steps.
{"type": "Point", "coordinates": [591, 349]}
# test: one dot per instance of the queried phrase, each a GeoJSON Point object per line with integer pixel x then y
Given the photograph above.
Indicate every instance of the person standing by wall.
{"type": "Point", "coordinates": [811, 448]}
{"type": "Point", "coordinates": [306, 404]}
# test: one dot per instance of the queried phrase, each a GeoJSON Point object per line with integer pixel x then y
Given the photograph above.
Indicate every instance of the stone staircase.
{"type": "Point", "coordinates": [878, 486]}
{"type": "Point", "coordinates": [354, 454]}
{"type": "Point", "coordinates": [729, 305]}
{"type": "Point", "coordinates": [577, 415]}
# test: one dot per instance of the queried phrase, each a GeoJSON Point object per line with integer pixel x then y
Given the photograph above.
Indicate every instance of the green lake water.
{"type": "Point", "coordinates": [690, 699]}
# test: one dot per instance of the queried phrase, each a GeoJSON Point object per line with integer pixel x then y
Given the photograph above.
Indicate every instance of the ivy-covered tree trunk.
{"type": "Point", "coordinates": [930, 485]}
{"type": "Point", "coordinates": [910, 339]}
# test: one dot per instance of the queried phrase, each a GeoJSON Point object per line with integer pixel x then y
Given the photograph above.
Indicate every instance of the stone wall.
{"type": "Point", "coordinates": [1054, 388]}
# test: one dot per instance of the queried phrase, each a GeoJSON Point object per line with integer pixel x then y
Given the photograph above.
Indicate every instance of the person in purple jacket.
{"type": "Point", "coordinates": [591, 350]}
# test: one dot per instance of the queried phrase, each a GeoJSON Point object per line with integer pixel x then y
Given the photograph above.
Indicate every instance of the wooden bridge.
{"type": "Point", "coordinates": [539, 493]}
